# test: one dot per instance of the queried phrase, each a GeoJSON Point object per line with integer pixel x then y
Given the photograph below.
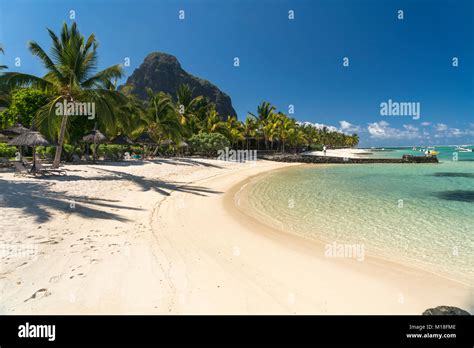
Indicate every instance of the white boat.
{"type": "Point", "coordinates": [463, 149]}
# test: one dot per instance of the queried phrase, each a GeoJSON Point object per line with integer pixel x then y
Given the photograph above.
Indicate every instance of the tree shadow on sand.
{"type": "Point", "coordinates": [37, 200]}
{"type": "Point", "coordinates": [162, 160]}
{"type": "Point", "coordinates": [183, 161]}
{"type": "Point", "coordinates": [457, 195]}
{"type": "Point", "coordinates": [146, 184]}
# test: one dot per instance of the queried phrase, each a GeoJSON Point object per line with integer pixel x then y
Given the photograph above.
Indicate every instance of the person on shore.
{"type": "Point", "coordinates": [324, 150]}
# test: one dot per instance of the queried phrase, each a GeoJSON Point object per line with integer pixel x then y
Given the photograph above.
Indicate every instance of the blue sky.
{"type": "Point", "coordinates": [289, 62]}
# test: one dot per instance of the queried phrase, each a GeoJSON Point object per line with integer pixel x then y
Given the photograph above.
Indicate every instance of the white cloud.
{"type": "Point", "coordinates": [426, 124]}
{"type": "Point", "coordinates": [348, 127]}
{"type": "Point", "coordinates": [382, 130]}
{"type": "Point", "coordinates": [443, 131]}
{"type": "Point", "coordinates": [455, 132]}
{"type": "Point", "coordinates": [441, 127]}
{"type": "Point", "coordinates": [410, 128]}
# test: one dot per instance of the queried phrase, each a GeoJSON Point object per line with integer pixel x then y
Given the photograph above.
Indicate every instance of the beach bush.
{"type": "Point", "coordinates": [46, 151]}
{"type": "Point", "coordinates": [111, 152]}
{"type": "Point", "coordinates": [69, 151]}
{"type": "Point", "coordinates": [7, 151]}
{"type": "Point", "coordinates": [7, 119]}
{"type": "Point", "coordinates": [208, 144]}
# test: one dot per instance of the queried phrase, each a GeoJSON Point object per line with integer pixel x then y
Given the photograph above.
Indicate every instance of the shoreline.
{"type": "Point", "coordinates": [393, 288]}
{"type": "Point", "coordinates": [159, 238]}
{"type": "Point", "coordinates": [231, 205]}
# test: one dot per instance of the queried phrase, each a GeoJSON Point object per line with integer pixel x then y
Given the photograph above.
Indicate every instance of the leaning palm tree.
{"type": "Point", "coordinates": [71, 77]}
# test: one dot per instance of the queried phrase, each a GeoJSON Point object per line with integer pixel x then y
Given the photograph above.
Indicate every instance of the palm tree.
{"type": "Point", "coordinates": [287, 129]}
{"type": "Point", "coordinates": [193, 111]}
{"type": "Point", "coordinates": [162, 117]}
{"type": "Point", "coordinates": [264, 113]}
{"type": "Point", "coordinates": [234, 130]}
{"type": "Point", "coordinates": [214, 123]}
{"type": "Point", "coordinates": [355, 139]}
{"type": "Point", "coordinates": [71, 77]}
{"type": "Point", "coordinates": [249, 129]}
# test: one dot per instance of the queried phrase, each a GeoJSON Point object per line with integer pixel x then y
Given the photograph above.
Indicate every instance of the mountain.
{"type": "Point", "coordinates": [163, 72]}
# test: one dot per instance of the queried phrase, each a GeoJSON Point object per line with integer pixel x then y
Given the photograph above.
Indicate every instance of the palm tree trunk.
{"type": "Point", "coordinates": [59, 148]}
{"type": "Point", "coordinates": [33, 168]}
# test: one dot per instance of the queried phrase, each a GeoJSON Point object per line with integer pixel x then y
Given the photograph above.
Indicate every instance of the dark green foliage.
{"type": "Point", "coordinates": [208, 144]}
{"type": "Point", "coordinates": [7, 151]}
{"type": "Point", "coordinates": [25, 103]}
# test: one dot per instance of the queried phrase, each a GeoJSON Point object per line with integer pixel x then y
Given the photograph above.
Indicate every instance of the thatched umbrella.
{"type": "Point", "coordinates": [15, 130]}
{"type": "Point", "coordinates": [145, 139]}
{"type": "Point", "coordinates": [30, 138]}
{"type": "Point", "coordinates": [95, 137]}
{"type": "Point", "coordinates": [122, 139]}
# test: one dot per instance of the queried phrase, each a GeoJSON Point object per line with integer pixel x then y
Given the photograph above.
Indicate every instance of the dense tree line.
{"type": "Point", "coordinates": [72, 77]}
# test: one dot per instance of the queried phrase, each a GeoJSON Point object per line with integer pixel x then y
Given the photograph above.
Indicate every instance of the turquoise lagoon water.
{"type": "Point", "coordinates": [420, 215]}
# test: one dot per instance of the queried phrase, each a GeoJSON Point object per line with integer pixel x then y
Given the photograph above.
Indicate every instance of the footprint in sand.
{"type": "Point", "coordinates": [50, 241]}
{"type": "Point", "coordinates": [39, 293]}
{"type": "Point", "coordinates": [54, 279]}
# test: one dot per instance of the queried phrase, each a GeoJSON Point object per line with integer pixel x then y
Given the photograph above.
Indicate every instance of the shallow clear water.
{"type": "Point", "coordinates": [419, 215]}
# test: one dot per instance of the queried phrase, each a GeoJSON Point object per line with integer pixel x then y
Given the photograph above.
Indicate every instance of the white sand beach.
{"type": "Point", "coordinates": [166, 237]}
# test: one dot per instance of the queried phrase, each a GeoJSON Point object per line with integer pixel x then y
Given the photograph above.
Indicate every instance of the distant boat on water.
{"type": "Point", "coordinates": [461, 148]}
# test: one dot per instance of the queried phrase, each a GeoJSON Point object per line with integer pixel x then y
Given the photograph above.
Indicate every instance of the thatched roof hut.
{"type": "Point", "coordinates": [29, 138]}
{"type": "Point", "coordinates": [122, 139]}
{"type": "Point", "coordinates": [15, 130]}
{"type": "Point", "coordinates": [145, 138]}
{"type": "Point", "coordinates": [95, 137]}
